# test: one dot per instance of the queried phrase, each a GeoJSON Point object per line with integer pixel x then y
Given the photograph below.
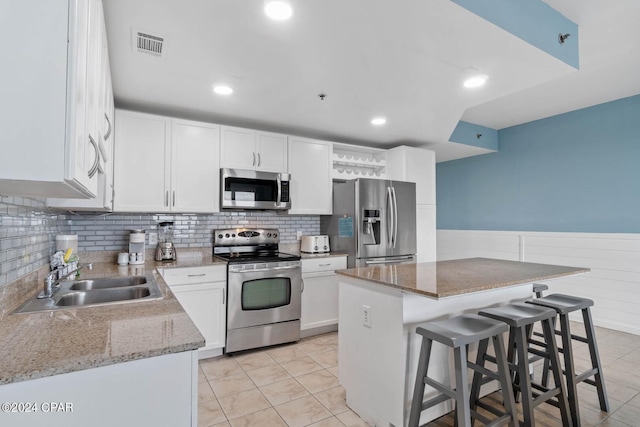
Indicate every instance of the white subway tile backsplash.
{"type": "Point", "coordinates": [28, 230]}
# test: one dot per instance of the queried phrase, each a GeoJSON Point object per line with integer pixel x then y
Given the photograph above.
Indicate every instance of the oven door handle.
{"type": "Point", "coordinates": [291, 267]}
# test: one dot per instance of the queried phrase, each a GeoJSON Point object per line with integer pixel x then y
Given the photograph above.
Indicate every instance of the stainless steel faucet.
{"type": "Point", "coordinates": [51, 286]}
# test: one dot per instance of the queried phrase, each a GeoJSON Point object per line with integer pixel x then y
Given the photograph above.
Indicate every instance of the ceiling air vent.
{"type": "Point", "coordinates": [148, 43]}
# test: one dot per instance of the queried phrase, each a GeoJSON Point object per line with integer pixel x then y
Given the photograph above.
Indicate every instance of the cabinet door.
{"type": "Point", "coordinates": [319, 300]}
{"type": "Point", "coordinates": [426, 233]}
{"type": "Point", "coordinates": [195, 167]}
{"type": "Point", "coordinates": [206, 306]}
{"type": "Point", "coordinates": [310, 169]}
{"type": "Point", "coordinates": [43, 99]}
{"type": "Point", "coordinates": [104, 192]}
{"type": "Point", "coordinates": [271, 150]}
{"type": "Point", "coordinates": [237, 148]}
{"type": "Point", "coordinates": [140, 161]}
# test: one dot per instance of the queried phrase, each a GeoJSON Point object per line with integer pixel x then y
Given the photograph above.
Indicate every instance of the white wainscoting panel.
{"type": "Point", "coordinates": [614, 259]}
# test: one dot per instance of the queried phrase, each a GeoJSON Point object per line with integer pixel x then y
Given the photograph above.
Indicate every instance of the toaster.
{"type": "Point", "coordinates": [314, 244]}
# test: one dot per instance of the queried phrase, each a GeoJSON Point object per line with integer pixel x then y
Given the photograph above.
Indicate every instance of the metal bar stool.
{"type": "Point", "coordinates": [457, 333]}
{"type": "Point", "coordinates": [539, 288]}
{"type": "Point", "coordinates": [563, 305]}
{"type": "Point", "coordinates": [520, 317]}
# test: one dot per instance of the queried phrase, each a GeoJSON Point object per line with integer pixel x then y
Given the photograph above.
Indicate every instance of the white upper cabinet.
{"type": "Point", "coordinates": [414, 165]}
{"type": "Point", "coordinates": [195, 167]}
{"type": "Point", "coordinates": [165, 165]}
{"type": "Point", "coordinates": [49, 145]}
{"type": "Point", "coordinates": [103, 129]}
{"type": "Point", "coordinates": [141, 162]}
{"type": "Point", "coordinates": [255, 150]}
{"type": "Point", "coordinates": [310, 168]}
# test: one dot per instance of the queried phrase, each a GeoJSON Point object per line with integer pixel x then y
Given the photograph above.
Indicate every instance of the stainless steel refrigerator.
{"type": "Point", "coordinates": [373, 221]}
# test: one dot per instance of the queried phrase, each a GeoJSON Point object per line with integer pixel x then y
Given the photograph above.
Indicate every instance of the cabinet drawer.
{"type": "Point", "coordinates": [190, 275]}
{"type": "Point", "coordinates": [324, 264]}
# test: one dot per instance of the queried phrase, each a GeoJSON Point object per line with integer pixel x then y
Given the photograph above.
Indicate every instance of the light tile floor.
{"type": "Point", "coordinates": [296, 385]}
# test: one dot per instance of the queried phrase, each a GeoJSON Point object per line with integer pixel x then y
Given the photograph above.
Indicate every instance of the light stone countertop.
{"type": "Point", "coordinates": [37, 345]}
{"type": "Point", "coordinates": [461, 276]}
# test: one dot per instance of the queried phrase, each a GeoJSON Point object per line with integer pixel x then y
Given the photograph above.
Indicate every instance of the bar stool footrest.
{"type": "Point", "coordinates": [440, 387]}
{"type": "Point", "coordinates": [434, 401]}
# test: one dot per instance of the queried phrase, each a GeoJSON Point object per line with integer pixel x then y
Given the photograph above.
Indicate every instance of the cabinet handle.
{"type": "Point", "coordinates": [96, 162]}
{"type": "Point", "coordinates": [224, 297]}
{"type": "Point", "coordinates": [166, 198]}
{"type": "Point", "coordinates": [196, 275]}
{"type": "Point", "coordinates": [324, 265]}
{"type": "Point", "coordinates": [259, 160]}
{"type": "Point", "coordinates": [254, 159]}
{"type": "Point", "coordinates": [174, 198]}
{"type": "Point", "coordinates": [108, 133]}
{"type": "Point", "coordinates": [302, 282]}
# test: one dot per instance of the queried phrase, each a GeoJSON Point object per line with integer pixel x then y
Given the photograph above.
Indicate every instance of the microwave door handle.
{"type": "Point", "coordinates": [279, 184]}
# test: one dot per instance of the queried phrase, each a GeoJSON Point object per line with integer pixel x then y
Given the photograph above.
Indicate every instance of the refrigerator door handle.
{"type": "Point", "coordinates": [388, 218]}
{"type": "Point", "coordinates": [395, 260]}
{"type": "Point", "coordinates": [395, 217]}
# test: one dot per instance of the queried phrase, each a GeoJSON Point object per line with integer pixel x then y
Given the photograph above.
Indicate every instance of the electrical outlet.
{"type": "Point", "coordinates": [299, 234]}
{"type": "Point", "coordinates": [153, 239]}
{"type": "Point", "coordinates": [366, 316]}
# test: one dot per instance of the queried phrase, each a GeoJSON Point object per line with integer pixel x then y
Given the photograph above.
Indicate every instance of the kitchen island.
{"type": "Point", "coordinates": [381, 306]}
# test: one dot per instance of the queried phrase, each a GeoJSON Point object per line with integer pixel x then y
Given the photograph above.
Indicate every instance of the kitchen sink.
{"type": "Point", "coordinates": [75, 299]}
{"type": "Point", "coordinates": [107, 283]}
{"type": "Point", "coordinates": [96, 292]}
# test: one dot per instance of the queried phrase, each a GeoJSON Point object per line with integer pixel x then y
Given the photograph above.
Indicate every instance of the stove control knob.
{"type": "Point", "coordinates": [219, 236]}
{"type": "Point", "coordinates": [275, 234]}
{"type": "Point", "coordinates": [226, 235]}
{"type": "Point", "coordinates": [268, 234]}
{"type": "Point", "coordinates": [233, 235]}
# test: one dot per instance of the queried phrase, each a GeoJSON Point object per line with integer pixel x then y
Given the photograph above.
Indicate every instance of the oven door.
{"type": "Point", "coordinates": [263, 293]}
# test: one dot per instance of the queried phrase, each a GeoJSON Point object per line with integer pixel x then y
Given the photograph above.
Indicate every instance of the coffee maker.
{"type": "Point", "coordinates": [165, 251]}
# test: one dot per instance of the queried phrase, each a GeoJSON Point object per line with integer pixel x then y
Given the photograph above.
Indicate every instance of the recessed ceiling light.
{"type": "Point", "coordinates": [378, 121]}
{"type": "Point", "coordinates": [278, 10]}
{"type": "Point", "coordinates": [222, 89]}
{"type": "Point", "coordinates": [476, 81]}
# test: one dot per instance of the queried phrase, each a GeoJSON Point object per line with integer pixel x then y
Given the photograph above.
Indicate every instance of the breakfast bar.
{"type": "Point", "coordinates": [381, 306]}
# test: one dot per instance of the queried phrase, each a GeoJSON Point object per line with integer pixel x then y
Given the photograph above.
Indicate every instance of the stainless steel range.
{"type": "Point", "coordinates": [264, 288]}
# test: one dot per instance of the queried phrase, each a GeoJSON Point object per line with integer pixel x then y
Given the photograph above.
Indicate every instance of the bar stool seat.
{"type": "Point", "coordinates": [520, 317]}
{"type": "Point", "coordinates": [564, 305]}
{"type": "Point", "coordinates": [457, 333]}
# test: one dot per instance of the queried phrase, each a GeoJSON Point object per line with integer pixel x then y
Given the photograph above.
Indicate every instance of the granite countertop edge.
{"type": "Point", "coordinates": [167, 309]}
{"type": "Point", "coordinates": [352, 273]}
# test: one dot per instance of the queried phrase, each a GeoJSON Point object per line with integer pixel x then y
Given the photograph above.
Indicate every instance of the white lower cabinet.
{"type": "Point", "coordinates": [202, 293]}
{"type": "Point", "coordinates": [156, 391]}
{"type": "Point", "coordinates": [320, 295]}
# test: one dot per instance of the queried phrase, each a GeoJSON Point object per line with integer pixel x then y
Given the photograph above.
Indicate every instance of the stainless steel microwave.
{"type": "Point", "coordinates": [247, 189]}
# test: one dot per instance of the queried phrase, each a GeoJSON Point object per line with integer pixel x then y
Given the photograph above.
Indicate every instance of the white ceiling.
{"type": "Point", "coordinates": [402, 59]}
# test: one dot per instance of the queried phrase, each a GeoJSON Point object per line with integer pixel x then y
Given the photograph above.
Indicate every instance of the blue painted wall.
{"type": "Point", "coordinates": [575, 172]}
{"type": "Point", "coordinates": [467, 133]}
{"type": "Point", "coordinates": [533, 21]}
